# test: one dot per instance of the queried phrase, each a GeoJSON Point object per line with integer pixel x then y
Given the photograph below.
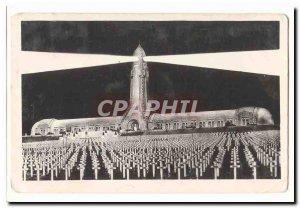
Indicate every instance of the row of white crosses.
{"type": "Point", "coordinates": [160, 154]}
{"type": "Point", "coordinates": [71, 162]}
{"type": "Point", "coordinates": [267, 147]}
{"type": "Point", "coordinates": [207, 143]}
{"type": "Point", "coordinates": [43, 158]}
{"type": "Point", "coordinates": [250, 158]}
{"type": "Point", "coordinates": [82, 163]}
{"type": "Point", "coordinates": [183, 160]}
{"type": "Point", "coordinates": [109, 163]}
{"type": "Point", "coordinates": [95, 164]}
{"type": "Point", "coordinates": [235, 162]}
{"type": "Point", "coordinates": [48, 157]}
{"type": "Point", "coordinates": [218, 162]}
{"type": "Point", "coordinates": [182, 156]}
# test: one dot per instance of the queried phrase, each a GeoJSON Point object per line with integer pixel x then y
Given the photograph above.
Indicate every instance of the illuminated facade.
{"type": "Point", "coordinates": [139, 121]}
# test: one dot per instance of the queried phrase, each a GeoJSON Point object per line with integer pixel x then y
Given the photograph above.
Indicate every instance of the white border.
{"type": "Point", "coordinates": [171, 7]}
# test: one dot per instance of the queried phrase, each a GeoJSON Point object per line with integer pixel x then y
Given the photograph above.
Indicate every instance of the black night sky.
{"type": "Point", "coordinates": [76, 93]}
{"type": "Point", "coordinates": [157, 38]}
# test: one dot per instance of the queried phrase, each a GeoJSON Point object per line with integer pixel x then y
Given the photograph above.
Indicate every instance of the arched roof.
{"type": "Point", "coordinates": [88, 121]}
{"type": "Point", "coordinates": [205, 115]}
{"type": "Point", "coordinates": [248, 109]}
{"type": "Point", "coordinates": [45, 123]}
{"type": "Point", "coordinates": [68, 123]}
{"type": "Point", "coordinates": [264, 117]}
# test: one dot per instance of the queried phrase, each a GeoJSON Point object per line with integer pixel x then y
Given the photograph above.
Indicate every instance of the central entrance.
{"type": "Point", "coordinates": [133, 125]}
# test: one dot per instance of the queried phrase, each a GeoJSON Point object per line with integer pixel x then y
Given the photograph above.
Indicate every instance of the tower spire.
{"type": "Point", "coordinates": [139, 52]}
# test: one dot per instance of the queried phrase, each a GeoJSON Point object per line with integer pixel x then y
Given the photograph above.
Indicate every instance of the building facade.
{"type": "Point", "coordinates": [139, 121]}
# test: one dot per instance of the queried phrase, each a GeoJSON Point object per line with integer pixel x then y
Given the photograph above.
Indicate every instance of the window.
{"type": "Point", "coordinates": [245, 121]}
{"type": "Point", "coordinates": [202, 124]}
{"type": "Point", "coordinates": [211, 123]}
{"type": "Point", "coordinates": [55, 131]}
{"type": "Point", "coordinates": [43, 131]}
{"type": "Point", "coordinates": [193, 123]}
{"type": "Point", "coordinates": [220, 123]}
{"type": "Point", "coordinates": [175, 125]}
{"type": "Point", "coordinates": [159, 126]}
{"type": "Point", "coordinates": [168, 126]}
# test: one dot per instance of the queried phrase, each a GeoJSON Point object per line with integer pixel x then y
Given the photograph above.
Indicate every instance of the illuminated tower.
{"type": "Point", "coordinates": [135, 118]}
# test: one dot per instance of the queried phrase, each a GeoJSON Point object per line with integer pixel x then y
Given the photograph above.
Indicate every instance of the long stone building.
{"type": "Point", "coordinates": [139, 121]}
